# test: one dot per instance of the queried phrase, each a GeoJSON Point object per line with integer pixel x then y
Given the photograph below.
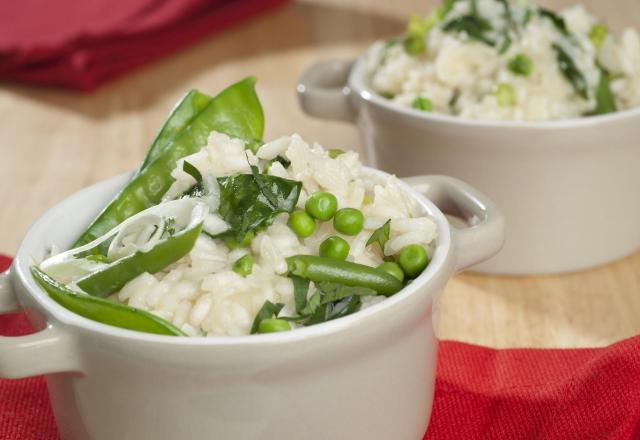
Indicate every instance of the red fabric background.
{"type": "Point", "coordinates": [81, 44]}
{"type": "Point", "coordinates": [481, 393]}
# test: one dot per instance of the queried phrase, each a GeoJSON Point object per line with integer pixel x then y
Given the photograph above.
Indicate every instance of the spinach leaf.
{"type": "Point", "coordinates": [571, 72]}
{"type": "Point", "coordinates": [300, 291]}
{"type": "Point", "coordinates": [558, 22]}
{"type": "Point", "coordinates": [380, 235]}
{"type": "Point", "coordinates": [605, 99]}
{"type": "Point", "coordinates": [267, 311]}
{"type": "Point", "coordinates": [251, 201]}
{"type": "Point", "coordinates": [332, 292]}
{"type": "Point", "coordinates": [474, 26]}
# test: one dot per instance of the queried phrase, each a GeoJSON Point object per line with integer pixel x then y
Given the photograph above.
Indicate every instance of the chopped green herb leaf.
{"type": "Point", "coordinates": [605, 100]}
{"type": "Point", "coordinates": [243, 266]}
{"type": "Point", "coordinates": [267, 311]}
{"type": "Point", "coordinates": [97, 258]}
{"type": "Point", "coordinates": [505, 45]}
{"type": "Point", "coordinates": [334, 292]}
{"type": "Point", "coordinates": [300, 291]}
{"type": "Point", "coordinates": [192, 171]}
{"type": "Point", "coordinates": [474, 27]}
{"type": "Point", "coordinates": [381, 235]}
{"type": "Point", "coordinates": [335, 152]}
{"type": "Point", "coordinates": [558, 22]}
{"type": "Point", "coordinates": [570, 71]}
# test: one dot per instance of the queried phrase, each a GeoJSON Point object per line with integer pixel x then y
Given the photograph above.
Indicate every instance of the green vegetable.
{"type": "Point", "coordinates": [251, 201]}
{"type": "Point", "coordinates": [381, 235]}
{"type": "Point", "coordinates": [319, 269]}
{"type": "Point", "coordinates": [102, 310]}
{"type": "Point", "coordinates": [332, 292]}
{"type": "Point", "coordinates": [235, 111]}
{"type": "Point", "coordinates": [557, 21]}
{"type": "Point", "coordinates": [414, 41]}
{"type": "Point", "coordinates": [334, 247]}
{"type": "Point", "coordinates": [413, 259]}
{"type": "Point", "coordinates": [321, 205]}
{"type": "Point", "coordinates": [414, 45]}
{"type": "Point", "coordinates": [302, 224]}
{"type": "Point", "coordinates": [167, 250]}
{"type": "Point", "coordinates": [475, 27]}
{"type": "Point", "coordinates": [447, 6]}
{"type": "Point", "coordinates": [267, 311]}
{"type": "Point", "coordinates": [182, 115]}
{"type": "Point", "coordinates": [597, 34]}
{"type": "Point", "coordinates": [505, 95]}
{"type": "Point", "coordinates": [392, 269]}
{"type": "Point", "coordinates": [421, 103]}
{"type": "Point", "coordinates": [505, 44]}
{"type": "Point", "coordinates": [273, 326]}
{"type": "Point", "coordinates": [605, 99]}
{"type": "Point", "coordinates": [242, 242]}
{"type": "Point", "coordinates": [192, 171]}
{"type": "Point", "coordinates": [244, 265]}
{"type": "Point", "coordinates": [348, 221]}
{"type": "Point", "coordinates": [335, 152]}
{"type": "Point", "coordinates": [570, 71]}
{"type": "Point", "coordinates": [521, 65]}
{"type": "Point", "coordinates": [300, 291]}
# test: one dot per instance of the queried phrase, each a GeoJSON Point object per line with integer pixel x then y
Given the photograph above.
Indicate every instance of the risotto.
{"type": "Point", "coordinates": [242, 236]}
{"type": "Point", "coordinates": [501, 60]}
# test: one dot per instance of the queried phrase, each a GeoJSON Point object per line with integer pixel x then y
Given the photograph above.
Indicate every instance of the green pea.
{"type": "Point", "coordinates": [334, 247]}
{"type": "Point", "coordinates": [335, 152]}
{"type": "Point", "coordinates": [505, 95]}
{"type": "Point", "coordinates": [302, 224]}
{"type": "Point", "coordinates": [321, 205]}
{"type": "Point", "coordinates": [392, 269]}
{"type": "Point", "coordinates": [413, 259]}
{"type": "Point", "coordinates": [521, 65]}
{"type": "Point", "coordinates": [273, 325]}
{"type": "Point", "coordinates": [233, 243]}
{"type": "Point", "coordinates": [422, 103]}
{"type": "Point", "coordinates": [244, 265]}
{"type": "Point", "coordinates": [348, 221]}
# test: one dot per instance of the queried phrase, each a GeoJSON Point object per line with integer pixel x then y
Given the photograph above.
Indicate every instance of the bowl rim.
{"type": "Point", "coordinates": [357, 83]}
{"type": "Point", "coordinates": [58, 315]}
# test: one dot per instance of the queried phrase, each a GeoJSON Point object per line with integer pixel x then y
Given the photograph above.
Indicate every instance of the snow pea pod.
{"type": "Point", "coordinates": [319, 269]}
{"type": "Point", "coordinates": [147, 242]}
{"type": "Point", "coordinates": [236, 111]}
{"type": "Point", "coordinates": [102, 310]}
{"type": "Point", "coordinates": [184, 112]}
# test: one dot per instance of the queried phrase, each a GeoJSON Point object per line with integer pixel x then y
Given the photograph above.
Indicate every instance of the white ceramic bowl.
{"type": "Point", "coordinates": [569, 190]}
{"type": "Point", "coordinates": [369, 375]}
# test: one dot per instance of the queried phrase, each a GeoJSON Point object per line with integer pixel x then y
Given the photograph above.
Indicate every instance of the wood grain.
{"type": "Point", "coordinates": [53, 143]}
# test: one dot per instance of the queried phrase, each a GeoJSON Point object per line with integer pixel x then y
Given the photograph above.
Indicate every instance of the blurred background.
{"type": "Point", "coordinates": [55, 140]}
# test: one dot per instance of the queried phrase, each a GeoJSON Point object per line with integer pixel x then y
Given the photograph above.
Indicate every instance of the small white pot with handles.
{"type": "Point", "coordinates": [569, 190]}
{"type": "Point", "coordinates": [368, 375]}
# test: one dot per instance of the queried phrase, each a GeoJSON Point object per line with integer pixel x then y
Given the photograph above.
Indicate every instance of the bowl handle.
{"type": "Point", "coordinates": [484, 235]}
{"type": "Point", "coordinates": [50, 350]}
{"type": "Point", "coordinates": [323, 91]}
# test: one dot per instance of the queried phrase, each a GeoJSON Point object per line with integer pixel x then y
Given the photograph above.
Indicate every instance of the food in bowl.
{"type": "Point", "coordinates": [501, 60]}
{"type": "Point", "coordinates": [219, 233]}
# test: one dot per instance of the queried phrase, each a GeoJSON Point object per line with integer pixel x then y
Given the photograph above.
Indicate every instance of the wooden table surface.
{"type": "Point", "coordinates": [52, 143]}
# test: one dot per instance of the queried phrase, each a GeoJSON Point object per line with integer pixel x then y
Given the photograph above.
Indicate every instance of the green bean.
{"type": "Point", "coordinates": [235, 111]}
{"type": "Point", "coordinates": [319, 269]}
{"type": "Point", "coordinates": [102, 310]}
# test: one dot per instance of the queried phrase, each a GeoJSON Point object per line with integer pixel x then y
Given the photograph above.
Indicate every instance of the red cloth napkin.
{"type": "Point", "coordinates": [83, 43]}
{"type": "Point", "coordinates": [481, 393]}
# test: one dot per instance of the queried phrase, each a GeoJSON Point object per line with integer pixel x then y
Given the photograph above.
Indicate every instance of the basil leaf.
{"type": "Point", "coordinates": [332, 292]}
{"type": "Point", "coordinates": [474, 26]}
{"type": "Point", "coordinates": [192, 171]}
{"type": "Point", "coordinates": [558, 22]}
{"type": "Point", "coordinates": [605, 99]}
{"type": "Point", "coordinates": [300, 291]}
{"type": "Point", "coordinates": [267, 311]}
{"type": "Point", "coordinates": [342, 308]}
{"type": "Point", "coordinates": [251, 201]}
{"type": "Point", "coordinates": [571, 72]}
{"type": "Point", "coordinates": [381, 235]}
{"type": "Point", "coordinates": [313, 304]}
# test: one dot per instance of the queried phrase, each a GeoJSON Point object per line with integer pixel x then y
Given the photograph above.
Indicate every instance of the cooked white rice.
{"type": "Point", "coordinates": [202, 295]}
{"type": "Point", "coordinates": [460, 75]}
